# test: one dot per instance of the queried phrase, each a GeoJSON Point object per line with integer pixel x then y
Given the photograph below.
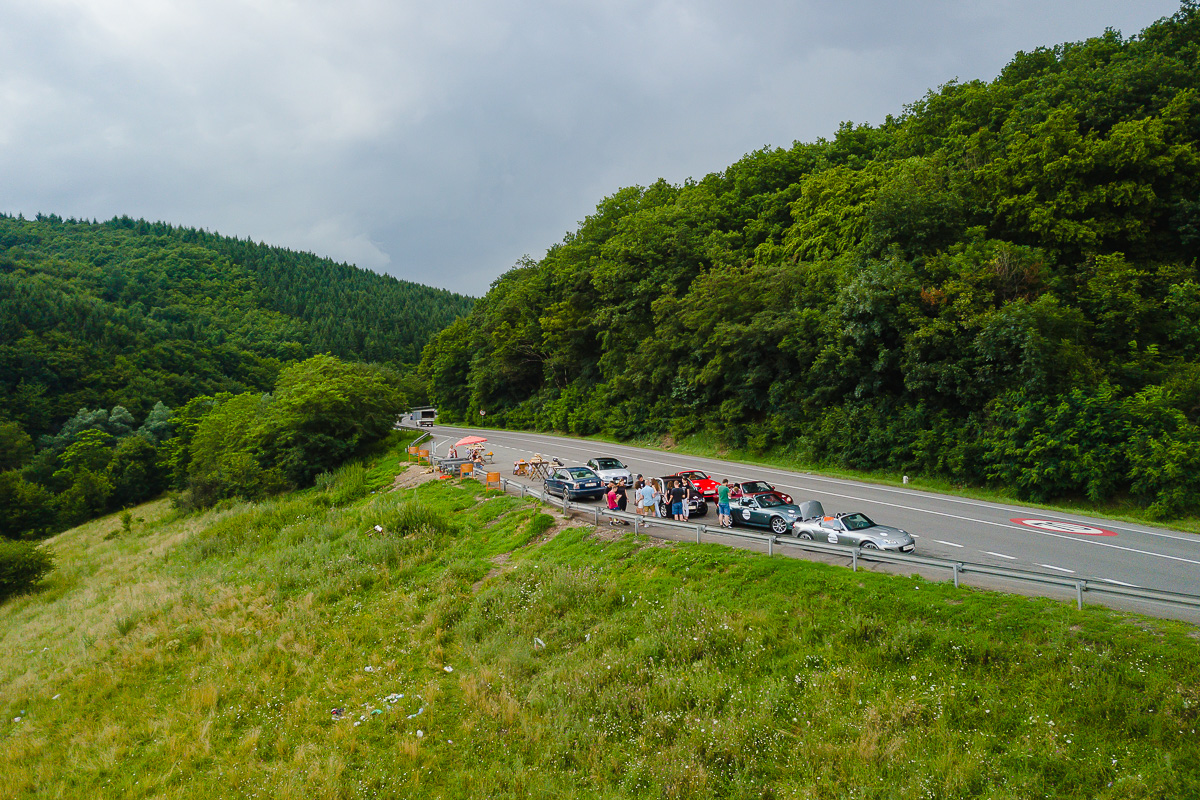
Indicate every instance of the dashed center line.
{"type": "Point", "coordinates": [1121, 583]}
{"type": "Point", "coordinates": [951, 544]}
{"type": "Point", "coordinates": [1060, 569]}
{"type": "Point", "coordinates": [999, 555]}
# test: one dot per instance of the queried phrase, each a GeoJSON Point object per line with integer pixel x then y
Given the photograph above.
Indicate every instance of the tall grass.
{"type": "Point", "coordinates": [207, 656]}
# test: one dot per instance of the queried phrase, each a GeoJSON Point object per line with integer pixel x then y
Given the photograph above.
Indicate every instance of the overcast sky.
{"type": "Point", "coordinates": [441, 141]}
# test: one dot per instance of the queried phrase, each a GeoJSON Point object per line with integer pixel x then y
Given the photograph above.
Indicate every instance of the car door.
{"type": "Point", "coordinates": [834, 532]}
{"type": "Point", "coordinates": [556, 481]}
{"type": "Point", "coordinates": [749, 513]}
{"type": "Point", "coordinates": [849, 535]}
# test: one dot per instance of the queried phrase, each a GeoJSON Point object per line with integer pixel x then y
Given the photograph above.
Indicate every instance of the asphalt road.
{"type": "Point", "coordinates": [954, 528]}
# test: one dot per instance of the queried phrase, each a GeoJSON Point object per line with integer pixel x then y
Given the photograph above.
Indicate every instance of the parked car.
{"type": "Point", "coordinates": [703, 483]}
{"type": "Point", "coordinates": [574, 483]}
{"type": "Point", "coordinates": [766, 510]}
{"type": "Point", "coordinates": [697, 507]}
{"type": "Point", "coordinates": [755, 487]}
{"type": "Point", "coordinates": [610, 469]}
{"type": "Point", "coordinates": [854, 530]}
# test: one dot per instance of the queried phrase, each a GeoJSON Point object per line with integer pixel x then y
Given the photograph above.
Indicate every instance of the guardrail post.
{"type": "Point", "coordinates": [636, 519]}
{"type": "Point", "coordinates": [956, 574]}
{"type": "Point", "coordinates": [770, 545]}
{"type": "Point", "coordinates": [854, 560]}
{"type": "Point", "coordinates": [522, 490]}
{"type": "Point", "coordinates": [1079, 586]}
{"type": "Point", "coordinates": [564, 502]}
{"type": "Point", "coordinates": [699, 530]}
{"type": "Point", "coordinates": [597, 509]}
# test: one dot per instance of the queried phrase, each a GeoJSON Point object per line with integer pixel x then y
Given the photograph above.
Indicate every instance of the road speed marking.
{"type": "Point", "coordinates": [1062, 527]}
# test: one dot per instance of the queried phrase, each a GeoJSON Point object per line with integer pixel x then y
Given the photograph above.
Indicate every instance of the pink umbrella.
{"type": "Point", "coordinates": [468, 440]}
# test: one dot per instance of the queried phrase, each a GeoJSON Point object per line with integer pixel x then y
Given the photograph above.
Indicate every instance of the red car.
{"type": "Point", "coordinates": [750, 488]}
{"type": "Point", "coordinates": [704, 484]}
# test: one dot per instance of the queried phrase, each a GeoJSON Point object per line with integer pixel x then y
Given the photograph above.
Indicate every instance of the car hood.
{"type": "Point", "coordinates": [888, 532]}
{"type": "Point", "coordinates": [613, 474]}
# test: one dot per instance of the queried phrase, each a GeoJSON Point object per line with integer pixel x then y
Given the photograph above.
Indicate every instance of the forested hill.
{"type": "Point", "coordinates": [999, 286]}
{"type": "Point", "coordinates": [130, 313]}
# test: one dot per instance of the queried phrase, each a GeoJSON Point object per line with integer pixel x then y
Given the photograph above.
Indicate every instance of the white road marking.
{"type": "Point", "coordinates": [999, 555]}
{"type": "Point", "coordinates": [1010, 526]}
{"type": "Point", "coordinates": [1121, 583]}
{"type": "Point", "coordinates": [952, 544]}
{"type": "Point", "coordinates": [1060, 569]}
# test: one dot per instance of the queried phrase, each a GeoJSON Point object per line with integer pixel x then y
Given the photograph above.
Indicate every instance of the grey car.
{"type": "Point", "coordinates": [854, 530]}
{"type": "Point", "coordinates": [610, 469]}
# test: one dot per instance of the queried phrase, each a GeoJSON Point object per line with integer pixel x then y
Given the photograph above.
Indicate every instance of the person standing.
{"type": "Point", "coordinates": [638, 507]}
{"type": "Point", "coordinates": [649, 498]}
{"type": "Point", "coordinates": [691, 497]}
{"type": "Point", "coordinates": [611, 498]}
{"type": "Point", "coordinates": [622, 500]}
{"type": "Point", "coordinates": [724, 516]}
{"type": "Point", "coordinates": [677, 501]}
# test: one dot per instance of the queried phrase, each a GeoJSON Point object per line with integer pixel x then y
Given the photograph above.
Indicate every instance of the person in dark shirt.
{"type": "Point", "coordinates": [622, 500]}
{"type": "Point", "coordinates": [677, 501]}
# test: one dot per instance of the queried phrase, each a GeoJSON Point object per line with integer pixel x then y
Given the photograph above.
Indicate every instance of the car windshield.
{"type": "Point", "coordinates": [581, 472]}
{"type": "Point", "coordinates": [753, 487]}
{"type": "Point", "coordinates": [769, 500]}
{"type": "Point", "coordinates": [857, 522]}
{"type": "Point", "coordinates": [609, 463]}
{"type": "Point", "coordinates": [694, 476]}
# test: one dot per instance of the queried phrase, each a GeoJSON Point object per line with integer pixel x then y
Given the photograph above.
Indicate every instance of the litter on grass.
{"type": "Point", "coordinates": [448, 668]}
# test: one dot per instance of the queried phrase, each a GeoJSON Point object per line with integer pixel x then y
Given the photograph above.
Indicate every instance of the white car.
{"type": "Point", "coordinates": [610, 469]}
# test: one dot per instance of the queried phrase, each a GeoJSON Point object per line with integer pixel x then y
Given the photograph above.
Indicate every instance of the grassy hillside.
{"type": "Point", "coordinates": [481, 647]}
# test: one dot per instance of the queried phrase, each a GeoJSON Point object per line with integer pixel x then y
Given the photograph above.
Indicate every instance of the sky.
{"type": "Point", "coordinates": [440, 142]}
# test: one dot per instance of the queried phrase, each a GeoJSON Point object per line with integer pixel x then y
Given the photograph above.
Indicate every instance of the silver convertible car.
{"type": "Point", "coordinates": [854, 530]}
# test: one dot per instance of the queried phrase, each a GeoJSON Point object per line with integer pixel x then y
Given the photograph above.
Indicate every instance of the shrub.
{"type": "Point", "coordinates": [22, 565]}
{"type": "Point", "coordinates": [349, 484]}
{"type": "Point", "coordinates": [414, 517]}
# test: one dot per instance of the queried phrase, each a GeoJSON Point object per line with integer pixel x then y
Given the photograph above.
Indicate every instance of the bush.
{"type": "Point", "coordinates": [415, 517]}
{"type": "Point", "coordinates": [349, 484]}
{"type": "Point", "coordinates": [22, 565]}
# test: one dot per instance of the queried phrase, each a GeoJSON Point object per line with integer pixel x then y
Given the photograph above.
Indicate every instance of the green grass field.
{"type": "Point", "coordinates": [480, 646]}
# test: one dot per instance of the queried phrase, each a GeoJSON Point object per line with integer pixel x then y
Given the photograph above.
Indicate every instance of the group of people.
{"type": "Point", "coordinates": [678, 497]}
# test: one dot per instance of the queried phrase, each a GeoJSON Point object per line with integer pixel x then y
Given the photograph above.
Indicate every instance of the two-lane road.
{"type": "Point", "coordinates": [948, 527]}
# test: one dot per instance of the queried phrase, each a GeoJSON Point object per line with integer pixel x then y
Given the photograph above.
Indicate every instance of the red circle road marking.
{"type": "Point", "coordinates": [1062, 527]}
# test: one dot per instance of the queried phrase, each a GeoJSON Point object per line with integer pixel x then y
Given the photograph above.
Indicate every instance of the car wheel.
{"type": "Point", "coordinates": [701, 510]}
{"type": "Point", "coordinates": [779, 525]}
{"type": "Point", "coordinates": [869, 546]}
{"type": "Point", "coordinates": [806, 536]}
{"type": "Point", "coordinates": [662, 510]}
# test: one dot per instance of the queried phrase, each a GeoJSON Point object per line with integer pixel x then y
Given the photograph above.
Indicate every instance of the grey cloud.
{"type": "Point", "coordinates": [441, 142]}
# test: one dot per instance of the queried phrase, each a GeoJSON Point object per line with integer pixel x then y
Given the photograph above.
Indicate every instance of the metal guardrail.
{"type": "Point", "coordinates": [640, 524]}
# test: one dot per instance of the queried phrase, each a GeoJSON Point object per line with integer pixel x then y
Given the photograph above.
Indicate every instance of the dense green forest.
{"type": "Point", "coordinates": [1000, 286]}
{"type": "Point", "coordinates": [137, 357]}
{"type": "Point", "coordinates": [131, 313]}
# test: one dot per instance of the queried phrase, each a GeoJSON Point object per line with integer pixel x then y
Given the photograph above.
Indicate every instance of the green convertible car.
{"type": "Point", "coordinates": [765, 511]}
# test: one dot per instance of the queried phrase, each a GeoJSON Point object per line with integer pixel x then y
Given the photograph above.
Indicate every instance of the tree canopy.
{"type": "Point", "coordinates": [1000, 285]}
